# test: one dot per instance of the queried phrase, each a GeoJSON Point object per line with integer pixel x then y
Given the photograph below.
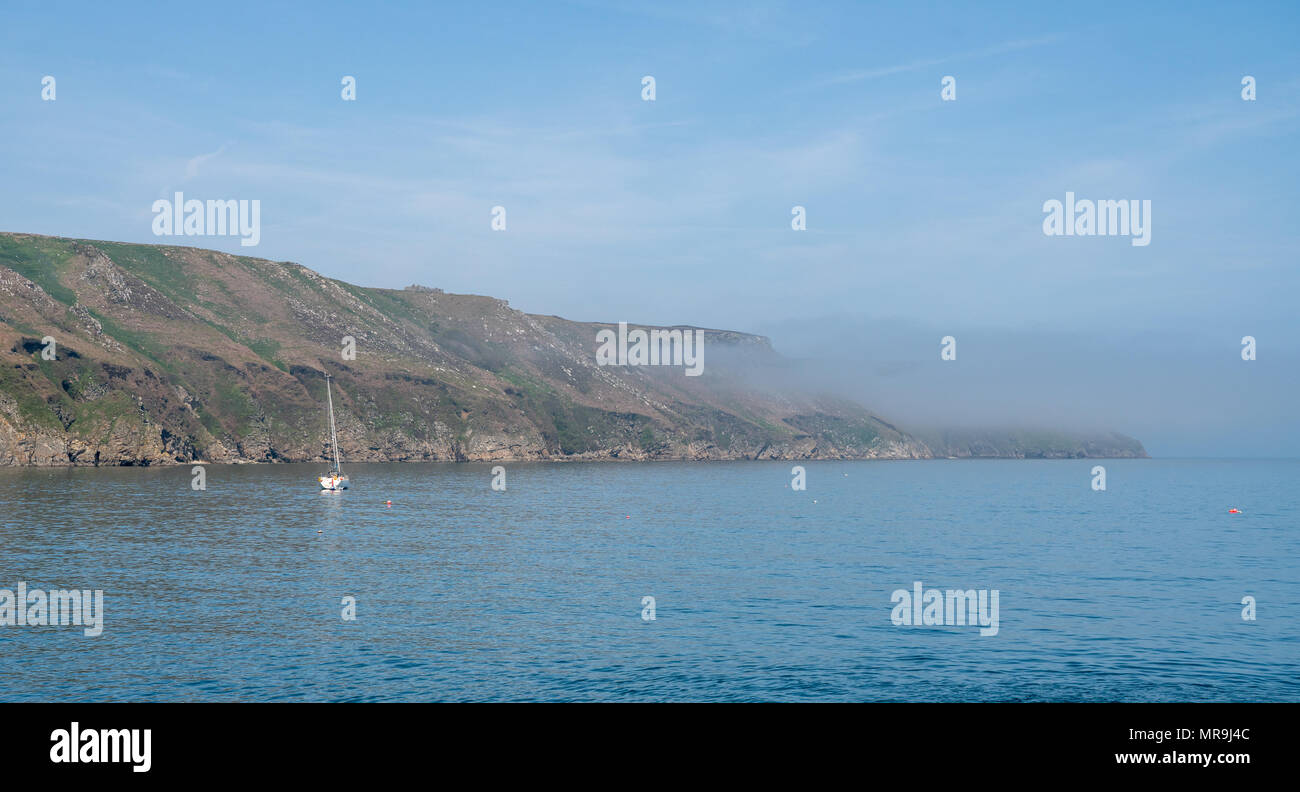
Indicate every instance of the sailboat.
{"type": "Point", "coordinates": [334, 480]}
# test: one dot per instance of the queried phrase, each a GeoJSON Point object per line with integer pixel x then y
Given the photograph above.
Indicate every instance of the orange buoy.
{"type": "Point", "coordinates": [1234, 511]}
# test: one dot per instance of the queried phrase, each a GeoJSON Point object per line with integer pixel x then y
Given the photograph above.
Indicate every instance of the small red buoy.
{"type": "Point", "coordinates": [1234, 511]}
{"type": "Point", "coordinates": [388, 503]}
{"type": "Point", "coordinates": [628, 517]}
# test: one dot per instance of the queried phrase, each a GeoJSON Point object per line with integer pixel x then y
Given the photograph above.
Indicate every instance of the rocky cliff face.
{"type": "Point", "coordinates": [115, 354]}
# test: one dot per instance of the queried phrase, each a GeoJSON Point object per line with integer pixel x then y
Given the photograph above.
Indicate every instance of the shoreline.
{"type": "Point", "coordinates": [576, 460]}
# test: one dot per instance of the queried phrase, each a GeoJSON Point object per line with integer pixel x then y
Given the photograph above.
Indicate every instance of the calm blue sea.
{"type": "Point", "coordinates": [760, 592]}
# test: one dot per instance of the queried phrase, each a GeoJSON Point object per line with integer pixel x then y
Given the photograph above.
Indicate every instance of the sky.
{"type": "Point", "coordinates": [924, 217]}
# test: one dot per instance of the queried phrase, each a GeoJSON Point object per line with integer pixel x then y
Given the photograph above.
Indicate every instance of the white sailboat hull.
{"type": "Point", "coordinates": [334, 480]}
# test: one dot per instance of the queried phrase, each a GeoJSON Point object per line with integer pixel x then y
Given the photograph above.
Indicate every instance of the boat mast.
{"type": "Point", "coordinates": [334, 439]}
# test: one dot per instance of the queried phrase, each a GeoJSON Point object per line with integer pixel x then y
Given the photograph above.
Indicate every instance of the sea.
{"type": "Point", "coordinates": [659, 581]}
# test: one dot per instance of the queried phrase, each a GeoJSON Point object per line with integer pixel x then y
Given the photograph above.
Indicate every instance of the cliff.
{"type": "Point", "coordinates": [168, 355]}
{"type": "Point", "coordinates": [172, 354]}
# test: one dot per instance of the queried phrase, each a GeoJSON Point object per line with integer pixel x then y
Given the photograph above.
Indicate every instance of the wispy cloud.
{"type": "Point", "coordinates": [193, 163]}
{"type": "Point", "coordinates": [899, 68]}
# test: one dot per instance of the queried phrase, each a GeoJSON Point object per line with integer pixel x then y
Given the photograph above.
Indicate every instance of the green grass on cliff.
{"type": "Point", "coordinates": [142, 343]}
{"type": "Point", "coordinates": [40, 261]}
{"type": "Point", "coordinates": [153, 266]}
{"type": "Point", "coordinates": [267, 349]}
{"type": "Point", "coordinates": [31, 406]}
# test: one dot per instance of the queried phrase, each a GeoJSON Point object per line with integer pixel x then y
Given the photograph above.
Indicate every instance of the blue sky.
{"type": "Point", "coordinates": [920, 212]}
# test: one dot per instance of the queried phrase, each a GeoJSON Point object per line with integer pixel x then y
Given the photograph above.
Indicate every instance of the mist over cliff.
{"type": "Point", "coordinates": [121, 354]}
{"type": "Point", "coordinates": [1182, 387]}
